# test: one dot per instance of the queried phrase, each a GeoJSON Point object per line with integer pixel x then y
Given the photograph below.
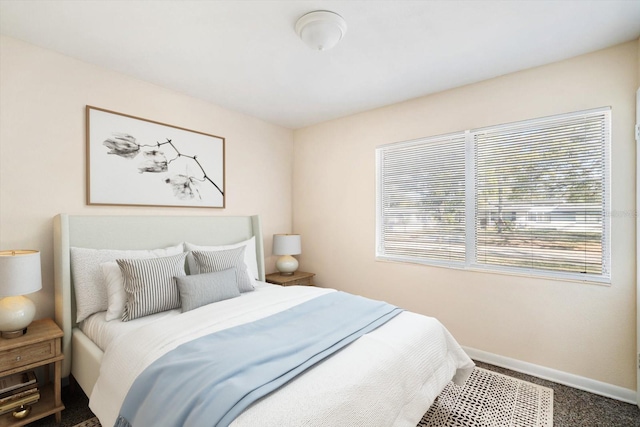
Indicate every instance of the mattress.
{"type": "Point", "coordinates": [388, 377]}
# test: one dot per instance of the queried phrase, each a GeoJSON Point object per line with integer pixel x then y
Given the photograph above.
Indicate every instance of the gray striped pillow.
{"type": "Point", "coordinates": [210, 261]}
{"type": "Point", "coordinates": [150, 285]}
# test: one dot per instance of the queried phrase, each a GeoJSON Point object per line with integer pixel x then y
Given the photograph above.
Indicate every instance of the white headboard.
{"type": "Point", "coordinates": [136, 232]}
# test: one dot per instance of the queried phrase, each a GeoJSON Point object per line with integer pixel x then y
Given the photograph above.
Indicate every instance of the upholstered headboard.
{"type": "Point", "coordinates": [136, 232]}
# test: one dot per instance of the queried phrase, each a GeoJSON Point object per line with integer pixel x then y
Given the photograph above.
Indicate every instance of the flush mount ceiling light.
{"type": "Point", "coordinates": [321, 30]}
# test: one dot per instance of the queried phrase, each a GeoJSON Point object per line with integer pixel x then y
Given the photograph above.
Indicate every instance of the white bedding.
{"type": "Point", "coordinates": [102, 332]}
{"type": "Point", "coordinates": [388, 377]}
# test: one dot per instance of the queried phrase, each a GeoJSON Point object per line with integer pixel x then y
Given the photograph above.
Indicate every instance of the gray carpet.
{"type": "Point", "coordinates": [571, 407]}
{"type": "Point", "coordinates": [577, 408]}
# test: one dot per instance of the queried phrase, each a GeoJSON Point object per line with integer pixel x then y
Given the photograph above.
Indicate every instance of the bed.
{"type": "Point", "coordinates": [387, 377]}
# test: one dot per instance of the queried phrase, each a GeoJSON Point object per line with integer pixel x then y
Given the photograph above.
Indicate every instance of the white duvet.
{"type": "Point", "coordinates": [388, 377]}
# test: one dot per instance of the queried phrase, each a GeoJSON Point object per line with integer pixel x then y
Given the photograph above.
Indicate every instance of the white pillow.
{"type": "Point", "coordinates": [90, 290]}
{"type": "Point", "coordinates": [249, 255]}
{"type": "Point", "coordinates": [116, 296]}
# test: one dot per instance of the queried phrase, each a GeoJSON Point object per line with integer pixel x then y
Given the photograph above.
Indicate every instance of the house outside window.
{"type": "Point", "coordinates": [529, 197]}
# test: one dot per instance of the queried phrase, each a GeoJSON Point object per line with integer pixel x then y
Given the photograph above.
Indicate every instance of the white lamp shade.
{"type": "Point", "coordinates": [20, 272]}
{"type": "Point", "coordinates": [286, 244]}
{"type": "Point", "coordinates": [321, 30]}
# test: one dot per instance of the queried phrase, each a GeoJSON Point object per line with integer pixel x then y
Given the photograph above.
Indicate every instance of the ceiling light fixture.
{"type": "Point", "coordinates": [321, 30]}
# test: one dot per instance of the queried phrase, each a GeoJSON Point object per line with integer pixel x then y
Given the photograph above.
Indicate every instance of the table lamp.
{"type": "Point", "coordinates": [286, 245]}
{"type": "Point", "coordinates": [20, 274]}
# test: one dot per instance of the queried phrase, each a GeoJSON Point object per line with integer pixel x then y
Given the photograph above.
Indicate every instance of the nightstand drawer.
{"type": "Point", "coordinates": [22, 356]}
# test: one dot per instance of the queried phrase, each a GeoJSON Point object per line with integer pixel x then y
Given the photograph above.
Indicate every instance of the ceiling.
{"type": "Point", "coordinates": [246, 56]}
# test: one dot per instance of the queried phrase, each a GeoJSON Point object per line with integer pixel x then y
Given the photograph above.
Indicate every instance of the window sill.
{"type": "Point", "coordinates": [604, 281]}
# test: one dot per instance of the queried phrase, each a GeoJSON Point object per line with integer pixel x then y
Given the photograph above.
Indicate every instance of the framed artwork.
{"type": "Point", "coordinates": [134, 161]}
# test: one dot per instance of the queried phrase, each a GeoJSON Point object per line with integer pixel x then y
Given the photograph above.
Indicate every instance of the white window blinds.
{"type": "Point", "coordinates": [540, 194]}
{"type": "Point", "coordinates": [421, 203]}
{"type": "Point", "coordinates": [529, 197]}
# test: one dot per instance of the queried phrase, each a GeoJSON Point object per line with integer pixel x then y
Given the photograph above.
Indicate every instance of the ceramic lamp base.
{"type": "Point", "coordinates": [286, 265]}
{"type": "Point", "coordinates": [16, 313]}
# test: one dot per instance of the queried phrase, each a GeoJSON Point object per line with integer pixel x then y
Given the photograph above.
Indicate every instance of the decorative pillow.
{"type": "Point", "coordinates": [150, 285]}
{"type": "Point", "coordinates": [202, 289]}
{"type": "Point", "coordinates": [116, 296]}
{"type": "Point", "coordinates": [210, 261]}
{"type": "Point", "coordinates": [249, 254]}
{"type": "Point", "coordinates": [91, 293]}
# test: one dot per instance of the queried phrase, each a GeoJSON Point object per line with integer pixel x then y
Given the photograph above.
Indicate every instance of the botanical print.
{"type": "Point", "coordinates": [139, 162]}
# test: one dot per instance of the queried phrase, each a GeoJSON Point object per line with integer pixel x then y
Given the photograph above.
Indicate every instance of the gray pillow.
{"type": "Point", "coordinates": [150, 285]}
{"type": "Point", "coordinates": [210, 261]}
{"type": "Point", "coordinates": [202, 289]}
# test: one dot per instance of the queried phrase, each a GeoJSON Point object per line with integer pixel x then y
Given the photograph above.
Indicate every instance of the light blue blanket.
{"type": "Point", "coordinates": [211, 380]}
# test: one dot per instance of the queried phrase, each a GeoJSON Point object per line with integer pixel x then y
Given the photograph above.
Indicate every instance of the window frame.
{"type": "Point", "coordinates": [471, 263]}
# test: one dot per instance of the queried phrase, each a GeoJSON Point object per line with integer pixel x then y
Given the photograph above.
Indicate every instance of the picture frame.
{"type": "Point", "coordinates": [133, 161]}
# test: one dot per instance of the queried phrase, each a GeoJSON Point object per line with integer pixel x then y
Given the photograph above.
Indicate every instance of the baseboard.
{"type": "Point", "coordinates": [565, 378]}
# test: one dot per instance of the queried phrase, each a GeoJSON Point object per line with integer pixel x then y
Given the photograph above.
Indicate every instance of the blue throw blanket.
{"type": "Point", "coordinates": [211, 380]}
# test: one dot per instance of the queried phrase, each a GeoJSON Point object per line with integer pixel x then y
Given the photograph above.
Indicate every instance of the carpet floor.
{"type": "Point", "coordinates": [571, 407]}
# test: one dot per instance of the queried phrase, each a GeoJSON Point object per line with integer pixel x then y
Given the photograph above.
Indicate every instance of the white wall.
{"type": "Point", "coordinates": [583, 329]}
{"type": "Point", "coordinates": [42, 150]}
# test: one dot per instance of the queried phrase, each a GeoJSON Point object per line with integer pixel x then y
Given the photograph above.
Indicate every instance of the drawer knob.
{"type": "Point", "coordinates": [18, 358]}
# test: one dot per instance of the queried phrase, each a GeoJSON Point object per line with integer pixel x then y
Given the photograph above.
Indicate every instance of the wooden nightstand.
{"type": "Point", "coordinates": [40, 346]}
{"type": "Point", "coordinates": [299, 278]}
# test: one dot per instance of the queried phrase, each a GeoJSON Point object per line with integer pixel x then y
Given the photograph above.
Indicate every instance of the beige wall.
{"type": "Point", "coordinates": [586, 330]}
{"type": "Point", "coordinates": [42, 149]}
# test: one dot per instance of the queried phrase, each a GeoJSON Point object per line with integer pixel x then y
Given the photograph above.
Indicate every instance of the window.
{"type": "Point", "coordinates": [526, 197]}
{"type": "Point", "coordinates": [422, 199]}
